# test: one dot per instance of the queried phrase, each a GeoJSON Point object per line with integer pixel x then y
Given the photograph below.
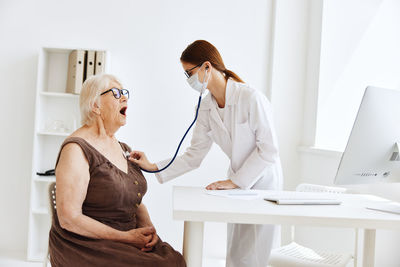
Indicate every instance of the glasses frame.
{"type": "Point", "coordinates": [121, 92]}
{"type": "Point", "coordinates": [187, 72]}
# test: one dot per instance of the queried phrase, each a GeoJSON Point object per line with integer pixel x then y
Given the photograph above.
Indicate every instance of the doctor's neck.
{"type": "Point", "coordinates": [217, 87]}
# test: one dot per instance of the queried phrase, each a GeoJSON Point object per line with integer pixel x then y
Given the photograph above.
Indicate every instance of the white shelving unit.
{"type": "Point", "coordinates": [56, 116]}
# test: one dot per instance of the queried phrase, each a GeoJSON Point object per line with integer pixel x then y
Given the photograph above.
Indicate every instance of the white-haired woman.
{"type": "Point", "coordinates": [101, 220]}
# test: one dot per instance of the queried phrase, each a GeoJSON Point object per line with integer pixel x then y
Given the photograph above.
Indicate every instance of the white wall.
{"type": "Point", "coordinates": [359, 49]}
{"type": "Point", "coordinates": [145, 39]}
{"type": "Point", "coordinates": [289, 77]}
{"type": "Point", "coordinates": [288, 81]}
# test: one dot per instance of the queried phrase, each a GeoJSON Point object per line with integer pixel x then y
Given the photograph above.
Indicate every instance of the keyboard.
{"type": "Point", "coordinates": [301, 198]}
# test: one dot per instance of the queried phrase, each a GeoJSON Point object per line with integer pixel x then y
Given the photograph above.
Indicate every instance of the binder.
{"type": "Point", "coordinates": [100, 62]}
{"type": "Point", "coordinates": [90, 63]}
{"type": "Point", "coordinates": [76, 63]}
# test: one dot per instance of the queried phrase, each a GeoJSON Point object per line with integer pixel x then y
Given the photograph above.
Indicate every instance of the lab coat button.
{"type": "Point", "coordinates": [139, 195]}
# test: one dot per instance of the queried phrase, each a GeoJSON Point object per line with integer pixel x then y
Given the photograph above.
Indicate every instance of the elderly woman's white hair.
{"type": "Point", "coordinates": [90, 93]}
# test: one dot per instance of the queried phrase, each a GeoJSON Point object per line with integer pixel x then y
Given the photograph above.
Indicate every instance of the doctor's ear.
{"type": "Point", "coordinates": [208, 65]}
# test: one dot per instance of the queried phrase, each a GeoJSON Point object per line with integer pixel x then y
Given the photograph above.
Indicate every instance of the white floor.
{"type": "Point", "coordinates": [14, 259]}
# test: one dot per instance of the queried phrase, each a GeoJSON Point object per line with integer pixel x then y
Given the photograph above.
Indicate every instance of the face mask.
{"type": "Point", "coordinates": [196, 84]}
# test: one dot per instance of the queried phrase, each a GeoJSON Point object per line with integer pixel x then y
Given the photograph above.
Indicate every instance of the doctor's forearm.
{"type": "Point", "coordinates": [153, 167]}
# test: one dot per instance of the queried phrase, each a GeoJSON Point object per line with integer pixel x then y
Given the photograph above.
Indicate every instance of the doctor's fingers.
{"type": "Point", "coordinates": [137, 155]}
{"type": "Point", "coordinates": [212, 186]}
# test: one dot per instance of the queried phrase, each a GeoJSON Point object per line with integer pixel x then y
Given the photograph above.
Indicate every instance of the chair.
{"type": "Point", "coordinates": [295, 255]}
{"type": "Point", "coordinates": [52, 210]}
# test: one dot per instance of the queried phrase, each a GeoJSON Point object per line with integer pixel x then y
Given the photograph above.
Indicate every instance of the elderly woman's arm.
{"type": "Point", "coordinates": [72, 175]}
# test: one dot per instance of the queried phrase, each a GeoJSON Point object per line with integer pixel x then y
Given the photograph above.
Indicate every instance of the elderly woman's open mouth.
{"type": "Point", "coordinates": [123, 111]}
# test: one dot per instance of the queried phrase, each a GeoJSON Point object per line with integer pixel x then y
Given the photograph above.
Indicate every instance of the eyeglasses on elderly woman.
{"type": "Point", "coordinates": [118, 92]}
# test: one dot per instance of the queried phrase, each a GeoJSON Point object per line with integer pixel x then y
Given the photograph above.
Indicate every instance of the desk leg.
{"type": "Point", "coordinates": [369, 248]}
{"type": "Point", "coordinates": [193, 243]}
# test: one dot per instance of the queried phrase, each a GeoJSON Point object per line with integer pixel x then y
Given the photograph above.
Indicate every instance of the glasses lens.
{"type": "Point", "coordinates": [116, 93]}
{"type": "Point", "coordinates": [187, 74]}
{"type": "Point", "coordinates": [125, 92]}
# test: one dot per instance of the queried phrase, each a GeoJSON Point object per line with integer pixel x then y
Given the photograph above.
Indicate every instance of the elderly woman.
{"type": "Point", "coordinates": [101, 220]}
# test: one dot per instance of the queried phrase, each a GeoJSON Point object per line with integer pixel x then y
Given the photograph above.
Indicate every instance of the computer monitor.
{"type": "Point", "coordinates": [372, 151]}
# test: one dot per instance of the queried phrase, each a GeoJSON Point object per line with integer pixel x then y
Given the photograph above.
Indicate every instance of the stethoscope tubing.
{"type": "Point", "coordinates": [180, 143]}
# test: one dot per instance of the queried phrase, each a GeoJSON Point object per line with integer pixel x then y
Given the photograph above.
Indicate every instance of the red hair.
{"type": "Point", "coordinates": [200, 51]}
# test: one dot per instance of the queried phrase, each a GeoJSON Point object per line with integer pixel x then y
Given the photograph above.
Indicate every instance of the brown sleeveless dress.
{"type": "Point", "coordinates": [112, 198]}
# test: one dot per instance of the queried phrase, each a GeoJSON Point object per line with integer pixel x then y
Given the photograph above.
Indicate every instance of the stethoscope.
{"type": "Point", "coordinates": [183, 138]}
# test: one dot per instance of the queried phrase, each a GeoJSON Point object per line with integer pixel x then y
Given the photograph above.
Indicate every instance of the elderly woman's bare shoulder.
{"type": "Point", "coordinates": [72, 150]}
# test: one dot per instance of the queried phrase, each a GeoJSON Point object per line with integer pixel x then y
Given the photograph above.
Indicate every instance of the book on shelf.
{"type": "Point", "coordinates": [90, 63]}
{"type": "Point", "coordinates": [76, 63]}
{"type": "Point", "coordinates": [100, 62]}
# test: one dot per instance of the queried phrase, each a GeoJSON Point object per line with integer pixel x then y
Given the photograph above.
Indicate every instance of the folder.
{"type": "Point", "coordinates": [90, 63]}
{"type": "Point", "coordinates": [100, 62]}
{"type": "Point", "coordinates": [76, 63]}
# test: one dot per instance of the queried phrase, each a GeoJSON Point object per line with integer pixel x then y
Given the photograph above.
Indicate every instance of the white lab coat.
{"type": "Point", "coordinates": [247, 137]}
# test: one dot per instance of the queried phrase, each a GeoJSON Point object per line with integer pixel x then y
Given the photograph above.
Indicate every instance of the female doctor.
{"type": "Point", "coordinates": [239, 119]}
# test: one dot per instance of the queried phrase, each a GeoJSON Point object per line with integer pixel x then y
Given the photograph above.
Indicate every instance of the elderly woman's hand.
{"type": "Point", "coordinates": [140, 159]}
{"type": "Point", "coordinates": [140, 237]}
{"type": "Point", "coordinates": [149, 246]}
{"type": "Point", "coordinates": [221, 185]}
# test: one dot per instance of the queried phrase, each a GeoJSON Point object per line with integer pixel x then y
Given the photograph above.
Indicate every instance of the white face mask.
{"type": "Point", "coordinates": [196, 84]}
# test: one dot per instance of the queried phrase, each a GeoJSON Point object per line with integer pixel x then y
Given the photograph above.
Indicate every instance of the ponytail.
{"type": "Point", "coordinates": [231, 74]}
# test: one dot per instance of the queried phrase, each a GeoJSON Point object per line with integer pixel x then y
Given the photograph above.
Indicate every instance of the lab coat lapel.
{"type": "Point", "coordinates": [218, 124]}
{"type": "Point", "coordinates": [219, 127]}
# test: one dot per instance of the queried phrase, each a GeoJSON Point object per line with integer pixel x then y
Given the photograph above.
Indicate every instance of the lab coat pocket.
{"type": "Point", "coordinates": [243, 144]}
{"type": "Point", "coordinates": [210, 134]}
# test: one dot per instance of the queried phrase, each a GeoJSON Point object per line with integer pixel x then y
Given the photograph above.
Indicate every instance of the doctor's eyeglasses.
{"type": "Point", "coordinates": [188, 72]}
{"type": "Point", "coordinates": [118, 92]}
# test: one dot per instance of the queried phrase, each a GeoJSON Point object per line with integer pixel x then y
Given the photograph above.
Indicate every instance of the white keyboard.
{"type": "Point", "coordinates": [301, 198]}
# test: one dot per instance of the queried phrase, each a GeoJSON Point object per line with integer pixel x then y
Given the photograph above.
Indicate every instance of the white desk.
{"type": "Point", "coordinates": [194, 206]}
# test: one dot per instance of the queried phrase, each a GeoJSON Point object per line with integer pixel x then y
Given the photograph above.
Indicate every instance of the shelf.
{"type": "Point", "coordinates": [61, 95]}
{"type": "Point", "coordinates": [53, 133]}
{"type": "Point", "coordinates": [38, 257]}
{"type": "Point", "coordinates": [45, 179]}
{"type": "Point", "coordinates": [56, 111]}
{"type": "Point", "coordinates": [41, 211]}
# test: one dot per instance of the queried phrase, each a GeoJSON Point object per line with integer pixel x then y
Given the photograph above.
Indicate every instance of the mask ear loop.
{"type": "Point", "coordinates": [204, 81]}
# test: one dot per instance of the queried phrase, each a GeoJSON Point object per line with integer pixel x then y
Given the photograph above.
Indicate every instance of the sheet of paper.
{"type": "Point", "coordinates": [237, 193]}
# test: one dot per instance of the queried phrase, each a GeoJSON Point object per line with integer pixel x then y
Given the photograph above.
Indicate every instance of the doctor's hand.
{"type": "Point", "coordinates": [221, 185]}
{"type": "Point", "coordinates": [140, 159]}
